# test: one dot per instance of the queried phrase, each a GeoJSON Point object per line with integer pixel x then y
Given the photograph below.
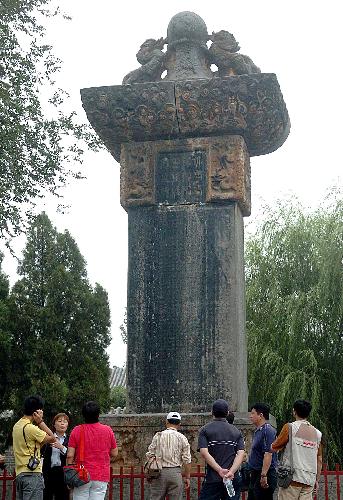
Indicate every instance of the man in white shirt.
{"type": "Point", "coordinates": [173, 450]}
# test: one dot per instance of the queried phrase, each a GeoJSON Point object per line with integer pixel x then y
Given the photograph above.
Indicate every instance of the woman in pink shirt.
{"type": "Point", "coordinates": [100, 448]}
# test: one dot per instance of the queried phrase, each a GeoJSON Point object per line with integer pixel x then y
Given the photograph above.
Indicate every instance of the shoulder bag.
{"type": "Point", "coordinates": [153, 466]}
{"type": "Point", "coordinates": [76, 475]}
{"type": "Point", "coordinates": [285, 472]}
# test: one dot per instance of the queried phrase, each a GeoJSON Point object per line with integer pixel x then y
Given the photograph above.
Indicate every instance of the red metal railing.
{"type": "Point", "coordinates": [129, 483]}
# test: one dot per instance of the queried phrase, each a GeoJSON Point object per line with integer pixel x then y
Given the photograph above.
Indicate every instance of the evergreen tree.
{"type": "Point", "coordinates": [295, 315]}
{"type": "Point", "coordinates": [60, 325]}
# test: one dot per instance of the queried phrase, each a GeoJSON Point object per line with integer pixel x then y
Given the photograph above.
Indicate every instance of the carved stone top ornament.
{"type": "Point", "coordinates": [191, 100]}
{"type": "Point", "coordinates": [187, 55]}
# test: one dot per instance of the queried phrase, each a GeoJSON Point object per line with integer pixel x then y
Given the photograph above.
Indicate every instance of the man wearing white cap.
{"type": "Point", "coordinates": [173, 450]}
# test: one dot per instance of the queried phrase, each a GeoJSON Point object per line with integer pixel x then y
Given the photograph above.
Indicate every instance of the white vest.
{"type": "Point", "coordinates": [305, 443]}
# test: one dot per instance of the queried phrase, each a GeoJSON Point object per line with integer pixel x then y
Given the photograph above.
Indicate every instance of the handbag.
{"type": "Point", "coordinates": [76, 475]}
{"type": "Point", "coordinates": [153, 467]}
{"type": "Point", "coordinates": [285, 472]}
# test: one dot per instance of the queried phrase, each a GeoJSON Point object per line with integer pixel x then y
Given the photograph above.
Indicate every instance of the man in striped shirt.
{"type": "Point", "coordinates": [173, 450]}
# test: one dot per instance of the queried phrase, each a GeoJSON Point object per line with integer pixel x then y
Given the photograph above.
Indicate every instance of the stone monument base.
{"type": "Point", "coordinates": [134, 433]}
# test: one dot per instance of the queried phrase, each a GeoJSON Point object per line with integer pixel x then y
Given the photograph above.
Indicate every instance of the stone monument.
{"type": "Point", "coordinates": [184, 143]}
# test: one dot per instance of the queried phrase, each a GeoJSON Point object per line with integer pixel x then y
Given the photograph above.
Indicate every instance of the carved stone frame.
{"type": "Point", "coordinates": [228, 169]}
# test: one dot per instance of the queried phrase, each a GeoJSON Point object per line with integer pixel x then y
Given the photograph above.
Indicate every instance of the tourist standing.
{"type": "Point", "coordinates": [100, 448]}
{"type": "Point", "coordinates": [221, 445]}
{"type": "Point", "coordinates": [54, 459]}
{"type": "Point", "coordinates": [29, 434]}
{"type": "Point", "coordinates": [173, 450]}
{"type": "Point", "coordinates": [306, 453]}
{"type": "Point", "coordinates": [262, 461]}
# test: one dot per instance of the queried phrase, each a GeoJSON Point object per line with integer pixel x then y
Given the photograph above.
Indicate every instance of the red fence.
{"type": "Point", "coordinates": [129, 483]}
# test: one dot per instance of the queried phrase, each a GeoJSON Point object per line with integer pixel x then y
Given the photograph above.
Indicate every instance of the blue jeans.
{"type": "Point", "coordinates": [217, 490]}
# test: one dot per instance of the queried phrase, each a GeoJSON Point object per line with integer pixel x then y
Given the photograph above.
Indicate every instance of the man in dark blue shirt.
{"type": "Point", "coordinates": [222, 446]}
{"type": "Point", "coordinates": [262, 461]}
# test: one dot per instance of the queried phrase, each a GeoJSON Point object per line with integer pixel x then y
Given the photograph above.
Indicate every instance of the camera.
{"type": "Point", "coordinates": [33, 463]}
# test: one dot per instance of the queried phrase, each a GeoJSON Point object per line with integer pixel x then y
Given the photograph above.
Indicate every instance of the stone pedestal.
{"type": "Point", "coordinates": [134, 433]}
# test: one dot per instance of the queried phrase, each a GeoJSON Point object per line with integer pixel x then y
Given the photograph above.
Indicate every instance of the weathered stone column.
{"type": "Point", "coordinates": [184, 144]}
{"type": "Point", "coordinates": [186, 321]}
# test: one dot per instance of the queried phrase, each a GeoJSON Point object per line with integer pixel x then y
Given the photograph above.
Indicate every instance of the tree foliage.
{"type": "Point", "coordinates": [118, 396]}
{"type": "Point", "coordinates": [60, 326]}
{"type": "Point", "coordinates": [38, 139]}
{"type": "Point", "coordinates": [5, 338]}
{"type": "Point", "coordinates": [295, 315]}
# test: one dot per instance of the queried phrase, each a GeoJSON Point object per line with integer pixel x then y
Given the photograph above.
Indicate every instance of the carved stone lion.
{"type": "Point", "coordinates": [151, 57]}
{"type": "Point", "coordinates": [223, 52]}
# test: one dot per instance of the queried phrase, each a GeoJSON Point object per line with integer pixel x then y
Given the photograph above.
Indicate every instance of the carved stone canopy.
{"type": "Point", "coordinates": [248, 105]}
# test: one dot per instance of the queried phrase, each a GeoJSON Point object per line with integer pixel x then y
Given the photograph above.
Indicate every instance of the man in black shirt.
{"type": "Point", "coordinates": [222, 447]}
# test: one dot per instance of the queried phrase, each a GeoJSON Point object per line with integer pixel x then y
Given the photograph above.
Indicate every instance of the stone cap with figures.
{"type": "Point", "coordinates": [191, 100]}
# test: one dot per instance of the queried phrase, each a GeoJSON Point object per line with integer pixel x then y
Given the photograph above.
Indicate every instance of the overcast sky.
{"type": "Point", "coordinates": [300, 41]}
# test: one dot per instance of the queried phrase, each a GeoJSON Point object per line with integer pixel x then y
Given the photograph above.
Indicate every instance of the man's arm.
{"type": "Point", "coordinates": [152, 448]}
{"type": "Point", "coordinates": [49, 435]}
{"type": "Point", "coordinates": [70, 455]}
{"type": "Point", "coordinates": [236, 464]}
{"type": "Point", "coordinates": [319, 464]}
{"type": "Point", "coordinates": [267, 460]}
{"type": "Point", "coordinates": [282, 439]}
{"type": "Point", "coordinates": [187, 477]}
{"type": "Point", "coordinates": [212, 463]}
{"type": "Point", "coordinates": [113, 454]}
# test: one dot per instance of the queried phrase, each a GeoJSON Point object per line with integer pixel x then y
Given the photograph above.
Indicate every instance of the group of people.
{"type": "Point", "coordinates": [41, 453]}
{"type": "Point", "coordinates": [222, 446]}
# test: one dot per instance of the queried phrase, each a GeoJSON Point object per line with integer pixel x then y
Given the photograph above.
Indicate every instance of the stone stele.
{"type": "Point", "coordinates": [184, 143]}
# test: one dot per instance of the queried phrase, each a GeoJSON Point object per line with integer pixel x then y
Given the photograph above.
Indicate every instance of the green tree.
{"type": "Point", "coordinates": [39, 140]}
{"type": "Point", "coordinates": [60, 325]}
{"type": "Point", "coordinates": [118, 396]}
{"type": "Point", "coordinates": [295, 315]}
{"type": "Point", "coordinates": [5, 340]}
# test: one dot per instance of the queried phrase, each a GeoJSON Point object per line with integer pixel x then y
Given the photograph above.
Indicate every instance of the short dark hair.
{"type": "Point", "coordinates": [262, 408]}
{"type": "Point", "coordinates": [174, 421]}
{"type": "Point", "coordinates": [220, 408]}
{"type": "Point", "coordinates": [91, 412]}
{"type": "Point", "coordinates": [230, 417]}
{"type": "Point", "coordinates": [302, 408]}
{"type": "Point", "coordinates": [32, 404]}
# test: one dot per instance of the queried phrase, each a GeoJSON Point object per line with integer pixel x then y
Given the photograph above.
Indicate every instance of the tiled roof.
{"type": "Point", "coordinates": [118, 377]}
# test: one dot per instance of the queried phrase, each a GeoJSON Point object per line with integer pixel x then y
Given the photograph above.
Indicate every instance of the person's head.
{"type": "Point", "coordinates": [259, 413]}
{"type": "Point", "coordinates": [220, 408]}
{"type": "Point", "coordinates": [230, 417]}
{"type": "Point", "coordinates": [60, 423]}
{"type": "Point", "coordinates": [302, 408]}
{"type": "Point", "coordinates": [173, 419]}
{"type": "Point", "coordinates": [91, 412]}
{"type": "Point", "coordinates": [32, 404]}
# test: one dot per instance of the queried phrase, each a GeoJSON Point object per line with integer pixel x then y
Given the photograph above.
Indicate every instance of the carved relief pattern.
{"type": "Point", "coordinates": [131, 112]}
{"type": "Point", "coordinates": [137, 186]}
{"type": "Point", "coordinates": [249, 105]}
{"type": "Point", "coordinates": [230, 172]}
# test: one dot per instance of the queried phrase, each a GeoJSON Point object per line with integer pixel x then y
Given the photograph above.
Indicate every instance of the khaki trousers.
{"type": "Point", "coordinates": [169, 483]}
{"type": "Point", "coordinates": [295, 493]}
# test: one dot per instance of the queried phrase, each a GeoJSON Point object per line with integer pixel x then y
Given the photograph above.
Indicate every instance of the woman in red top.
{"type": "Point", "coordinates": [100, 448]}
